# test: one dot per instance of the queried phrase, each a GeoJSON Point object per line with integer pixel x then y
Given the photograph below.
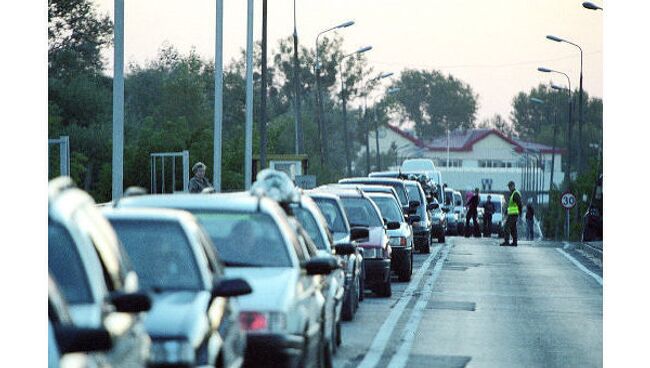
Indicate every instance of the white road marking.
{"type": "Point", "coordinates": [376, 350]}
{"type": "Point", "coordinates": [580, 266]}
{"type": "Point", "coordinates": [400, 359]}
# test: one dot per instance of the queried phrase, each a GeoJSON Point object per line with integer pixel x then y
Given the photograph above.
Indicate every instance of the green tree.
{"type": "Point", "coordinates": [434, 102]}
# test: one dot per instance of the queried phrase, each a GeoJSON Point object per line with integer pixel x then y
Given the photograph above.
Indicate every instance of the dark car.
{"type": "Point", "coordinates": [423, 229]}
{"type": "Point", "coordinates": [363, 213]}
{"type": "Point", "coordinates": [193, 321]}
{"type": "Point", "coordinates": [337, 223]}
{"type": "Point", "coordinates": [593, 218]}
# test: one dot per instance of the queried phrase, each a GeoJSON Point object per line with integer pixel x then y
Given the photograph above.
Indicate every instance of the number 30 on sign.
{"type": "Point", "coordinates": [568, 200]}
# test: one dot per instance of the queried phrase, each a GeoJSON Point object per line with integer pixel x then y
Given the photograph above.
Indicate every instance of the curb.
{"type": "Point", "coordinates": [593, 250]}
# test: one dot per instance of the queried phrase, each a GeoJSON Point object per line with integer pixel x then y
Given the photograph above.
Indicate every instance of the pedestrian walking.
{"type": "Point", "coordinates": [514, 209]}
{"type": "Point", "coordinates": [488, 211]}
{"type": "Point", "coordinates": [199, 181]}
{"type": "Point", "coordinates": [472, 213]}
{"type": "Point", "coordinates": [530, 220]}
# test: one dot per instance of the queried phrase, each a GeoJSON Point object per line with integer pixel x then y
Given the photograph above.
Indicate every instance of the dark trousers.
{"type": "Point", "coordinates": [475, 230]}
{"type": "Point", "coordinates": [487, 225]}
{"type": "Point", "coordinates": [511, 228]}
{"type": "Point", "coordinates": [530, 229]}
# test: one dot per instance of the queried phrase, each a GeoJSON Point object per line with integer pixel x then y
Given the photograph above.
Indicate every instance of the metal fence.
{"type": "Point", "coordinates": [163, 181]}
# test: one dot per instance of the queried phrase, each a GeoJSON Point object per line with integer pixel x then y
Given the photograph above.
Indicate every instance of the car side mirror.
{"type": "Point", "coordinates": [432, 206]}
{"type": "Point", "coordinates": [393, 225]}
{"type": "Point", "coordinates": [414, 204]}
{"type": "Point", "coordinates": [358, 233]}
{"type": "Point", "coordinates": [413, 219]}
{"type": "Point", "coordinates": [227, 287]}
{"type": "Point", "coordinates": [73, 339]}
{"type": "Point", "coordinates": [345, 249]}
{"type": "Point", "coordinates": [445, 209]}
{"type": "Point", "coordinates": [130, 302]}
{"type": "Point", "coordinates": [321, 265]}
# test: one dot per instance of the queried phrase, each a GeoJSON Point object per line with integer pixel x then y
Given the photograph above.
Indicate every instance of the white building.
{"type": "Point", "coordinates": [483, 158]}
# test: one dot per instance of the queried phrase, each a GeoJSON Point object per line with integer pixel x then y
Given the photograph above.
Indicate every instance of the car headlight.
{"type": "Point", "coordinates": [262, 321]}
{"type": "Point", "coordinates": [397, 241]}
{"type": "Point", "coordinates": [172, 352]}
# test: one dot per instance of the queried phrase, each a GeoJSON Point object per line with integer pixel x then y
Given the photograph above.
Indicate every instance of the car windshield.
{"type": "Point", "coordinates": [332, 214]}
{"type": "Point", "coordinates": [160, 252]}
{"type": "Point", "coordinates": [360, 212]}
{"type": "Point", "coordinates": [246, 239]}
{"type": "Point", "coordinates": [65, 264]}
{"type": "Point", "coordinates": [389, 208]}
{"type": "Point", "coordinates": [310, 225]}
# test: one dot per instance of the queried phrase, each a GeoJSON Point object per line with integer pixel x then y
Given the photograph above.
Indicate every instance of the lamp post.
{"type": "Point", "coordinates": [558, 88]}
{"type": "Point", "coordinates": [322, 126]}
{"type": "Point", "coordinates": [558, 39]}
{"type": "Point", "coordinates": [300, 146]}
{"type": "Point", "coordinates": [567, 177]}
{"type": "Point", "coordinates": [391, 91]}
{"type": "Point", "coordinates": [344, 102]}
{"type": "Point", "coordinates": [365, 103]}
{"type": "Point", "coordinates": [248, 138]}
{"type": "Point", "coordinates": [118, 102]}
{"type": "Point", "coordinates": [591, 6]}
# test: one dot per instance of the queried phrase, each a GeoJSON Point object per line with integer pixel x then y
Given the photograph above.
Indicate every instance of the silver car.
{"type": "Point", "coordinates": [89, 265]}
{"type": "Point", "coordinates": [254, 239]}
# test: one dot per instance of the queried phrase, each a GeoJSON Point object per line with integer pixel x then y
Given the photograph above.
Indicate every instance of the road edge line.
{"type": "Point", "coordinates": [584, 269]}
{"type": "Point", "coordinates": [400, 359]}
{"type": "Point", "coordinates": [378, 345]}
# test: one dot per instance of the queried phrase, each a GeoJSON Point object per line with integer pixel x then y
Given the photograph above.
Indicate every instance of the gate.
{"type": "Point", "coordinates": [166, 182]}
{"type": "Point", "coordinates": [64, 153]}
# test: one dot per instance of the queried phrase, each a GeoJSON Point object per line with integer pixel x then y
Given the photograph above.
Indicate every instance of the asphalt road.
{"type": "Point", "coordinates": [472, 303]}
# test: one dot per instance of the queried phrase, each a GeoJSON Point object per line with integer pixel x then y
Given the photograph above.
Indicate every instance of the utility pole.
{"type": "Point", "coordinates": [118, 102]}
{"type": "Point", "coordinates": [248, 143]}
{"type": "Point", "coordinates": [218, 97]}
{"type": "Point", "coordinates": [300, 147]}
{"type": "Point", "coordinates": [263, 91]}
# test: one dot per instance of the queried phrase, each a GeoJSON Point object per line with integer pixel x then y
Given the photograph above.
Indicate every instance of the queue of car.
{"type": "Point", "coordinates": [257, 278]}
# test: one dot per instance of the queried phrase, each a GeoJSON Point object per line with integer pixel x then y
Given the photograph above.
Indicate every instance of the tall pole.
{"type": "Point", "coordinates": [218, 96]}
{"type": "Point", "coordinates": [367, 128]}
{"type": "Point", "coordinates": [248, 145]}
{"type": "Point", "coordinates": [345, 125]}
{"type": "Point", "coordinates": [554, 142]}
{"type": "Point", "coordinates": [118, 101]}
{"type": "Point", "coordinates": [263, 91]}
{"type": "Point", "coordinates": [374, 115]}
{"type": "Point", "coordinates": [580, 117]}
{"type": "Point", "coordinates": [300, 146]}
{"type": "Point", "coordinates": [567, 174]}
{"type": "Point", "coordinates": [322, 131]}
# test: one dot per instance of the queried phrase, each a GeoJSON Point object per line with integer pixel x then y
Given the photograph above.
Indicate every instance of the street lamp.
{"type": "Point", "coordinates": [322, 127]}
{"type": "Point", "coordinates": [569, 126]}
{"type": "Point", "coordinates": [344, 101]}
{"type": "Point", "coordinates": [365, 103]}
{"type": "Point", "coordinates": [591, 6]}
{"type": "Point", "coordinates": [558, 39]}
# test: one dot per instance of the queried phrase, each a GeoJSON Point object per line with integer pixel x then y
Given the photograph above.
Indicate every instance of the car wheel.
{"type": "Point", "coordinates": [385, 289]}
{"type": "Point", "coordinates": [347, 310]}
{"type": "Point", "coordinates": [405, 271]}
{"type": "Point", "coordinates": [441, 238]}
{"type": "Point", "coordinates": [339, 339]}
{"type": "Point", "coordinates": [355, 299]}
{"type": "Point", "coordinates": [426, 249]}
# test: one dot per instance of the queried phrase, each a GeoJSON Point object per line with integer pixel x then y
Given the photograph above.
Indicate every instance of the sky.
{"type": "Point", "coordinates": [494, 46]}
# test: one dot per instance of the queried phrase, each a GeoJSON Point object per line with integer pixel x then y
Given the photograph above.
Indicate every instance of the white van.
{"type": "Point", "coordinates": [499, 202]}
{"type": "Point", "coordinates": [422, 165]}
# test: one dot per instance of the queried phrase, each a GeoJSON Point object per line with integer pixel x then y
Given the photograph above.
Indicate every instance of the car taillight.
{"type": "Point", "coordinates": [253, 321]}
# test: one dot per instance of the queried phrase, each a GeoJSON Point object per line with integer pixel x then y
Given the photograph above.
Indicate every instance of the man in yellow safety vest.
{"type": "Point", "coordinates": [514, 209]}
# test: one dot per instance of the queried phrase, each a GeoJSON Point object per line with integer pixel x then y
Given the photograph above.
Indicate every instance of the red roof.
{"type": "Point", "coordinates": [464, 140]}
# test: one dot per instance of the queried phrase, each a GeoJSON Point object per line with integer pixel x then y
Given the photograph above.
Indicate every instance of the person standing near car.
{"type": "Point", "coordinates": [514, 209]}
{"type": "Point", "coordinates": [530, 220]}
{"type": "Point", "coordinates": [472, 213]}
{"type": "Point", "coordinates": [199, 181]}
{"type": "Point", "coordinates": [488, 209]}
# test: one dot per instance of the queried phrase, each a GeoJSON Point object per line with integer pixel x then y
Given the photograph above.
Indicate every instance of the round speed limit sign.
{"type": "Point", "coordinates": [568, 200]}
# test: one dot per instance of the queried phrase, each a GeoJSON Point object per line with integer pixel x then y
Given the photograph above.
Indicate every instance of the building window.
{"type": "Point", "coordinates": [494, 164]}
{"type": "Point", "coordinates": [452, 163]}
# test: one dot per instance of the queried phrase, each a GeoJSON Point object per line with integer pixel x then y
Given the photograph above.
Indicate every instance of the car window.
{"type": "Point", "coordinates": [65, 264]}
{"type": "Point", "coordinates": [332, 214]}
{"type": "Point", "coordinates": [308, 222]}
{"type": "Point", "coordinates": [161, 254]}
{"type": "Point", "coordinates": [245, 239]}
{"type": "Point", "coordinates": [360, 212]}
{"type": "Point", "coordinates": [389, 208]}
{"type": "Point", "coordinates": [416, 195]}
{"type": "Point", "coordinates": [401, 194]}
